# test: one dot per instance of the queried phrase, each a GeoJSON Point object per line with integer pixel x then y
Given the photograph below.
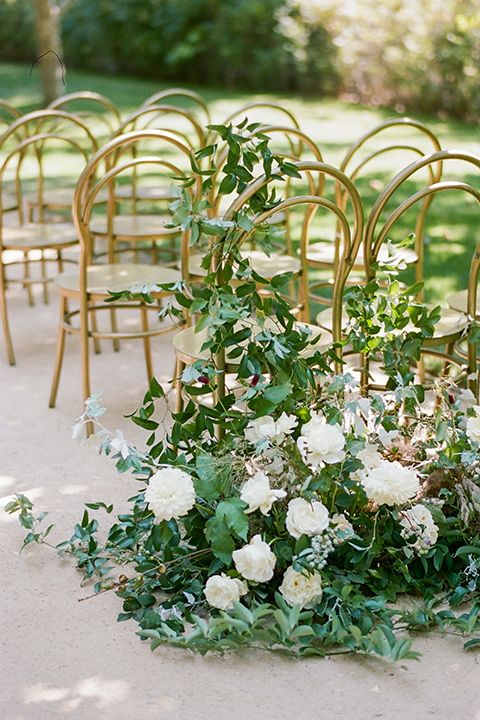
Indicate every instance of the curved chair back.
{"type": "Point", "coordinates": [8, 113]}
{"type": "Point", "coordinates": [115, 156]}
{"type": "Point", "coordinates": [378, 229]}
{"type": "Point", "coordinates": [95, 109]}
{"type": "Point", "coordinates": [351, 230]}
{"type": "Point", "coordinates": [186, 96]}
{"type": "Point", "coordinates": [166, 117]}
{"type": "Point", "coordinates": [397, 152]}
{"type": "Point", "coordinates": [50, 188]}
{"type": "Point", "coordinates": [270, 113]}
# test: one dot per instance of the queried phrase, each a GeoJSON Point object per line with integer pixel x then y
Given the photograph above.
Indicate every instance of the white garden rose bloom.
{"type": "Point", "coordinates": [369, 456]}
{"type": "Point", "coordinates": [266, 428]}
{"type": "Point", "coordinates": [390, 483]}
{"type": "Point", "coordinates": [306, 518]}
{"type": "Point", "coordinates": [467, 398]}
{"type": "Point", "coordinates": [473, 425]}
{"type": "Point", "coordinates": [258, 494]}
{"type": "Point", "coordinates": [222, 591]}
{"type": "Point", "coordinates": [304, 589]}
{"type": "Point", "coordinates": [343, 524]}
{"type": "Point", "coordinates": [321, 443]}
{"type": "Point", "coordinates": [386, 437]}
{"type": "Point", "coordinates": [418, 516]}
{"type": "Point", "coordinates": [262, 428]}
{"type": "Point", "coordinates": [286, 423]}
{"type": "Point", "coordinates": [255, 561]}
{"type": "Point", "coordinates": [170, 493]}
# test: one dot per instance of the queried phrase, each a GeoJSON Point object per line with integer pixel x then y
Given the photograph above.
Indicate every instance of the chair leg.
{"type": "Point", "coordinates": [114, 324]}
{"type": "Point", "coordinates": [3, 310]}
{"type": "Point", "coordinates": [179, 366]}
{"type": "Point", "coordinates": [43, 264]}
{"type": "Point", "coordinates": [446, 364]}
{"type": "Point", "coordinates": [26, 276]}
{"type": "Point", "coordinates": [147, 345]}
{"type": "Point", "coordinates": [85, 355]}
{"type": "Point", "coordinates": [59, 354]}
{"type": "Point", "coordinates": [473, 370]}
{"type": "Point", "coordinates": [96, 340]}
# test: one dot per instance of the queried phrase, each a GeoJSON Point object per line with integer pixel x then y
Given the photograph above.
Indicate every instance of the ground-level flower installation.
{"type": "Point", "coordinates": [247, 542]}
{"type": "Point", "coordinates": [293, 513]}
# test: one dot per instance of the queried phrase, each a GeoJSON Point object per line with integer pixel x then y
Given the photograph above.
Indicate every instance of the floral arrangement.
{"type": "Point", "coordinates": [294, 513]}
{"type": "Point", "coordinates": [321, 528]}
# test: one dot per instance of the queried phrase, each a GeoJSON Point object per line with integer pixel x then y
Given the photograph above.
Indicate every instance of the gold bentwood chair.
{"type": "Point", "coordinates": [282, 252]}
{"type": "Point", "coordinates": [265, 112]}
{"type": "Point", "coordinates": [98, 112]}
{"type": "Point", "coordinates": [146, 220]}
{"type": "Point", "coordinates": [194, 103]}
{"type": "Point", "coordinates": [189, 343]}
{"type": "Point", "coordinates": [32, 244]}
{"type": "Point", "coordinates": [455, 321]}
{"type": "Point", "coordinates": [370, 163]}
{"type": "Point", "coordinates": [100, 273]}
{"type": "Point", "coordinates": [53, 192]}
{"type": "Point", "coordinates": [8, 115]}
{"type": "Point", "coordinates": [175, 122]}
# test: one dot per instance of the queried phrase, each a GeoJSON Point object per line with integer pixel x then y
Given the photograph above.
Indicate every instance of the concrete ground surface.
{"type": "Point", "coordinates": [61, 658]}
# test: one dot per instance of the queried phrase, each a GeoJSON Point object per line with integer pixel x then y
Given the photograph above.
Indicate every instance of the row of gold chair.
{"type": "Point", "coordinates": [112, 174]}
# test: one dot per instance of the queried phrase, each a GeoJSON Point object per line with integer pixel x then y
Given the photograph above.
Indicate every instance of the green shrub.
{"type": "Point", "coordinates": [17, 28]}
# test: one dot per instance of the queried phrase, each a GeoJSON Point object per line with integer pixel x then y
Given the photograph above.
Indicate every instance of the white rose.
{"type": "Point", "coordinates": [386, 437]}
{"type": "Point", "coordinates": [304, 589]}
{"type": "Point", "coordinates": [170, 493]}
{"type": "Point", "coordinates": [255, 561]}
{"type": "Point", "coordinates": [341, 523]}
{"type": "Point", "coordinates": [369, 456]}
{"type": "Point", "coordinates": [286, 423]}
{"type": "Point", "coordinates": [260, 429]}
{"type": "Point", "coordinates": [467, 397]}
{"type": "Point", "coordinates": [266, 428]}
{"type": "Point", "coordinates": [258, 494]}
{"type": "Point", "coordinates": [390, 483]}
{"type": "Point", "coordinates": [418, 516]}
{"type": "Point", "coordinates": [306, 518]}
{"type": "Point", "coordinates": [473, 425]}
{"type": "Point", "coordinates": [321, 443]}
{"type": "Point", "coordinates": [222, 591]}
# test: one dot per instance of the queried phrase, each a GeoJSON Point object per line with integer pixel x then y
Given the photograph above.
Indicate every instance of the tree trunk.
{"type": "Point", "coordinates": [49, 46]}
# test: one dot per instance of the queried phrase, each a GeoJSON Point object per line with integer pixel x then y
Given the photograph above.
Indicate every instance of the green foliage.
{"type": "Point", "coordinates": [17, 28]}
{"type": "Point", "coordinates": [387, 322]}
{"type": "Point", "coordinates": [409, 56]}
{"type": "Point", "coordinates": [228, 42]}
{"type": "Point", "coordinates": [290, 512]}
{"type": "Point", "coordinates": [24, 507]}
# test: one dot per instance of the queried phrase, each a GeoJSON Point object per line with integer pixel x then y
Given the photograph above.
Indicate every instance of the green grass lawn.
{"type": "Point", "coordinates": [333, 125]}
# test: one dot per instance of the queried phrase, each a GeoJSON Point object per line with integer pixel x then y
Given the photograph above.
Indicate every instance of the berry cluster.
{"type": "Point", "coordinates": [320, 548]}
{"type": "Point", "coordinates": [417, 539]}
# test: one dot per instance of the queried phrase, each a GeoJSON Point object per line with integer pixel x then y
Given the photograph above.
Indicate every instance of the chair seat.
{"type": "Point", "coordinates": [9, 202]}
{"type": "Point", "coordinates": [266, 266]}
{"type": "Point", "coordinates": [134, 226]}
{"type": "Point", "coordinates": [39, 236]}
{"type": "Point", "coordinates": [154, 192]}
{"type": "Point", "coordinates": [188, 343]}
{"type": "Point", "coordinates": [60, 197]}
{"type": "Point", "coordinates": [447, 329]}
{"type": "Point", "coordinates": [323, 254]}
{"type": "Point", "coordinates": [102, 278]}
{"type": "Point", "coordinates": [458, 302]}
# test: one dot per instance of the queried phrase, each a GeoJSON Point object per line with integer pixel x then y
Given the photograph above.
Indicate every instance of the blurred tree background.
{"type": "Point", "coordinates": [413, 55]}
